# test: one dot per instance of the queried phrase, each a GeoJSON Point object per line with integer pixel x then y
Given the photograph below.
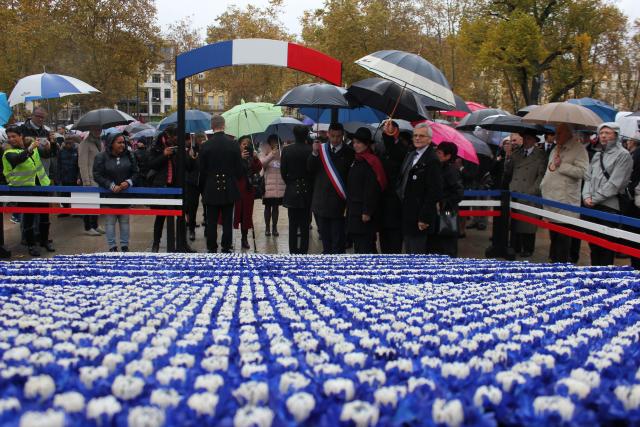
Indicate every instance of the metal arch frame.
{"type": "Point", "coordinates": [229, 53]}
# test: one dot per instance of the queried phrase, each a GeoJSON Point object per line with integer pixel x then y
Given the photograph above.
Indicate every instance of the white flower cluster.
{"type": "Point", "coordinates": [151, 340]}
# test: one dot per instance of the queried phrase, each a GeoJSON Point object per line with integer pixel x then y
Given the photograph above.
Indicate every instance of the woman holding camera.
{"type": "Point", "coordinates": [243, 212]}
{"type": "Point", "coordinates": [161, 161]}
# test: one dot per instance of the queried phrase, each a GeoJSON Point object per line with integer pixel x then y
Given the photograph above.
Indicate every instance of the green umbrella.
{"type": "Point", "coordinates": [250, 117]}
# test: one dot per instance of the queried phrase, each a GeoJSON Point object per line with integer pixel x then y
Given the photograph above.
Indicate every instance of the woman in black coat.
{"type": "Point", "coordinates": [365, 184]}
{"type": "Point", "coordinates": [115, 169]}
{"type": "Point", "coordinates": [452, 194]}
{"type": "Point", "coordinates": [161, 162]}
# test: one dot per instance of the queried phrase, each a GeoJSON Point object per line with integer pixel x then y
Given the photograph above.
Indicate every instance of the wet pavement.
{"type": "Point", "coordinates": [69, 238]}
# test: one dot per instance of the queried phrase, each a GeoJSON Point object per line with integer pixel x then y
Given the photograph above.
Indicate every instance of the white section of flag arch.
{"type": "Point", "coordinates": [260, 51]}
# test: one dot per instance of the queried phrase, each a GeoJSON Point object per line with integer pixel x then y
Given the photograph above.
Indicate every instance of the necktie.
{"type": "Point", "coordinates": [333, 150]}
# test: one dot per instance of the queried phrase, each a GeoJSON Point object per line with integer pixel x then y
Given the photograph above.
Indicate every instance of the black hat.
{"type": "Point", "coordinates": [363, 135]}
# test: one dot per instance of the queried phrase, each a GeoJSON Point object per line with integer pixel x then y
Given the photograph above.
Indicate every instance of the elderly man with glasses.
{"type": "Point", "coordinates": [420, 188]}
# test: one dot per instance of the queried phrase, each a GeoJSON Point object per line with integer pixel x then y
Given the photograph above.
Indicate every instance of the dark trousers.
{"type": "Point", "coordinates": [192, 199]}
{"type": "Point", "coordinates": [600, 255]}
{"type": "Point", "coordinates": [299, 221]}
{"type": "Point", "coordinates": [523, 242]}
{"type": "Point", "coordinates": [90, 221]}
{"type": "Point", "coordinates": [560, 246]}
{"type": "Point", "coordinates": [363, 243]}
{"type": "Point", "coordinates": [415, 243]}
{"type": "Point", "coordinates": [213, 213]}
{"type": "Point", "coordinates": [443, 245]}
{"type": "Point", "coordinates": [333, 234]}
{"type": "Point", "coordinates": [391, 241]}
{"type": "Point", "coordinates": [28, 224]}
{"type": "Point", "coordinates": [633, 212]}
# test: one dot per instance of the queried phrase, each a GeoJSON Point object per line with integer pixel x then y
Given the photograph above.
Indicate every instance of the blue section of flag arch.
{"type": "Point", "coordinates": [204, 58]}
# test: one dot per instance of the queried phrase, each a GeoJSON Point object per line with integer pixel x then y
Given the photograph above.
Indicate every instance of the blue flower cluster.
{"type": "Point", "coordinates": [257, 340]}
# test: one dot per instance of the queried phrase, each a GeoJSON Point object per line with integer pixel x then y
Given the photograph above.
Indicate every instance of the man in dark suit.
{"type": "Point", "coordinates": [297, 193]}
{"type": "Point", "coordinates": [220, 169]}
{"type": "Point", "coordinates": [328, 205]}
{"type": "Point", "coordinates": [392, 154]}
{"type": "Point", "coordinates": [419, 187]}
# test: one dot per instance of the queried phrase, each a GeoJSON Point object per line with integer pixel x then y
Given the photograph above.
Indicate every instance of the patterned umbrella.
{"type": "Point", "coordinates": [46, 86]}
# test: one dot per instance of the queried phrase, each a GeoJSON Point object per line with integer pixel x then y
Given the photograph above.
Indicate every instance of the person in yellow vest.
{"type": "Point", "coordinates": [22, 167]}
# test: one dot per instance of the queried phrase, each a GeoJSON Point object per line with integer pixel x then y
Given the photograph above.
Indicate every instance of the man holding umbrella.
{"type": "Point", "coordinates": [420, 188]}
{"type": "Point", "coordinates": [329, 163]}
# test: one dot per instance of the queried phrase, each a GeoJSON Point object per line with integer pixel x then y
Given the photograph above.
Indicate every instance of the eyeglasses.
{"type": "Point", "coordinates": [420, 136]}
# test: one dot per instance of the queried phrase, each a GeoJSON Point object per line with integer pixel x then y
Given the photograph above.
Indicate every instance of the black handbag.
{"type": "Point", "coordinates": [448, 223]}
{"type": "Point", "coordinates": [257, 182]}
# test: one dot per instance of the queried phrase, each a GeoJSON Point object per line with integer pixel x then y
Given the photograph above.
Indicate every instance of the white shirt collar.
{"type": "Point", "coordinates": [335, 148]}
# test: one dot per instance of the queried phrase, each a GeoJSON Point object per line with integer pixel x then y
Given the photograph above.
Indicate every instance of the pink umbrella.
{"type": "Point", "coordinates": [473, 106]}
{"type": "Point", "coordinates": [445, 133]}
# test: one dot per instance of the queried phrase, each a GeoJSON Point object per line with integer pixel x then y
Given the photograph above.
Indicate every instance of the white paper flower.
{"type": "Point", "coordinates": [99, 406]}
{"type": "Point", "coordinates": [17, 354]}
{"type": "Point", "coordinates": [50, 418]}
{"type": "Point", "coordinates": [126, 387]}
{"type": "Point", "coordinates": [211, 382]}
{"type": "Point", "coordinates": [493, 395]}
{"type": "Point", "coordinates": [338, 386]}
{"type": "Point", "coordinates": [629, 396]}
{"type": "Point", "coordinates": [293, 381]}
{"type": "Point", "coordinates": [165, 398]}
{"type": "Point", "coordinates": [389, 395]}
{"type": "Point", "coordinates": [249, 416]}
{"type": "Point", "coordinates": [556, 404]}
{"type": "Point", "coordinates": [252, 393]}
{"type": "Point", "coordinates": [9, 404]}
{"type": "Point", "coordinates": [71, 401]}
{"type": "Point", "coordinates": [170, 373]}
{"type": "Point", "coordinates": [362, 413]}
{"type": "Point", "coordinates": [41, 387]}
{"type": "Point", "coordinates": [449, 413]}
{"type": "Point", "coordinates": [300, 405]}
{"type": "Point", "coordinates": [146, 416]}
{"type": "Point", "coordinates": [203, 403]}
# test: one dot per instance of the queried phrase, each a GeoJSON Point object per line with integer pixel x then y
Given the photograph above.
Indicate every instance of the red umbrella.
{"type": "Point", "coordinates": [445, 133]}
{"type": "Point", "coordinates": [473, 106]}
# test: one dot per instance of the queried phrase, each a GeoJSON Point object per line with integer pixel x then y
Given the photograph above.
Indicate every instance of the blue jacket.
{"type": "Point", "coordinates": [68, 169]}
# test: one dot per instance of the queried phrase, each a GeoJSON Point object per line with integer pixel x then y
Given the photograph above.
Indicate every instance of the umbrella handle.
{"type": "Point", "coordinates": [395, 107]}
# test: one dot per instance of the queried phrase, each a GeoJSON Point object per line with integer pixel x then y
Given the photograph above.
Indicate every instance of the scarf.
{"type": "Point", "coordinates": [376, 165]}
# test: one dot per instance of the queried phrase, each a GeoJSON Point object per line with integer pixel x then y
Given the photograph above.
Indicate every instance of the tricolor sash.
{"type": "Point", "coordinates": [332, 172]}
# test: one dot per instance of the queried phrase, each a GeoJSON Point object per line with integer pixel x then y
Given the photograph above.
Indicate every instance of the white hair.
{"type": "Point", "coordinates": [424, 125]}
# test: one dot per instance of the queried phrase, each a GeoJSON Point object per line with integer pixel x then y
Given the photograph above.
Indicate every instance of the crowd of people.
{"type": "Point", "coordinates": [401, 193]}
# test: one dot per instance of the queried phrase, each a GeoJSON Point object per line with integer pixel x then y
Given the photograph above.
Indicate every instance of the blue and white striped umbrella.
{"type": "Point", "coordinates": [412, 72]}
{"type": "Point", "coordinates": [46, 86]}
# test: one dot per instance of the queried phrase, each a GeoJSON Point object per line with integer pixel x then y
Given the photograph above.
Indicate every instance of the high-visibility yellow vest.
{"type": "Point", "coordinates": [24, 174]}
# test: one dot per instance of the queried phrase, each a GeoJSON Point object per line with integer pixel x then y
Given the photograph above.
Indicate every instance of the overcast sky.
{"type": "Point", "coordinates": [204, 12]}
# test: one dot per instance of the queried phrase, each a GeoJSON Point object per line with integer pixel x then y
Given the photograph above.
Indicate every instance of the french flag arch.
{"type": "Point", "coordinates": [259, 52]}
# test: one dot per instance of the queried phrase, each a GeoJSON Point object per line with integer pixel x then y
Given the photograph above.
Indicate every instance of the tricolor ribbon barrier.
{"type": "Point", "coordinates": [619, 234]}
{"type": "Point", "coordinates": [89, 200]}
{"type": "Point", "coordinates": [92, 201]}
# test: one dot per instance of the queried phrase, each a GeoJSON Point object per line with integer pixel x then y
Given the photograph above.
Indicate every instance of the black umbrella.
{"type": "Point", "coordinates": [461, 105]}
{"type": "Point", "coordinates": [511, 124]}
{"type": "Point", "coordinates": [479, 145]}
{"type": "Point", "coordinates": [386, 96]}
{"type": "Point", "coordinates": [526, 110]}
{"type": "Point", "coordinates": [472, 120]}
{"type": "Point", "coordinates": [103, 118]}
{"type": "Point", "coordinates": [321, 95]}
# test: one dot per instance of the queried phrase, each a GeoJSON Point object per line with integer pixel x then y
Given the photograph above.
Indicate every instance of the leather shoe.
{"type": "Point", "coordinates": [192, 235]}
{"type": "Point", "coordinates": [113, 249]}
{"type": "Point", "coordinates": [125, 249]}
{"type": "Point", "coordinates": [155, 247]}
{"type": "Point", "coordinates": [33, 251]}
{"type": "Point", "coordinates": [48, 246]}
{"type": "Point", "coordinates": [526, 254]}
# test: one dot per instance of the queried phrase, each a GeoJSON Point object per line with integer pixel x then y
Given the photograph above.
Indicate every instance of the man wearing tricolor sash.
{"type": "Point", "coordinates": [329, 163]}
